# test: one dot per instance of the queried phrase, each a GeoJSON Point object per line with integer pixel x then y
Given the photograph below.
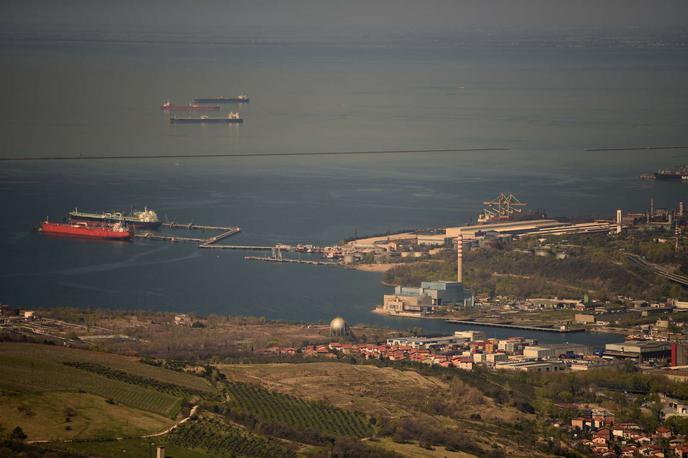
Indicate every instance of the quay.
{"type": "Point", "coordinates": [293, 261]}
{"type": "Point", "coordinates": [198, 227]}
{"type": "Point", "coordinates": [224, 235]}
{"type": "Point", "coordinates": [167, 238]}
{"type": "Point", "coordinates": [237, 247]}
{"type": "Point", "coordinates": [517, 326]}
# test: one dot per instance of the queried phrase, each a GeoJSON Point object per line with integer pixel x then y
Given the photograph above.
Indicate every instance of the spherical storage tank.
{"type": "Point", "coordinates": [338, 327]}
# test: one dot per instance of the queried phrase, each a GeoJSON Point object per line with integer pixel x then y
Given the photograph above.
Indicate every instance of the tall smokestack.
{"type": "Point", "coordinates": [459, 258]}
{"type": "Point", "coordinates": [619, 220]}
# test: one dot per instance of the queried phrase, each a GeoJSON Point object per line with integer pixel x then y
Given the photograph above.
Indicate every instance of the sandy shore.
{"type": "Point", "coordinates": [375, 267]}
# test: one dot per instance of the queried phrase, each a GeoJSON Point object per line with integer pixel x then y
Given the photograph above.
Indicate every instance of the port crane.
{"type": "Point", "coordinates": [504, 207]}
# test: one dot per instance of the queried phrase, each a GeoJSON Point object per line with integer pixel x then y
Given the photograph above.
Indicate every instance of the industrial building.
{"type": "Point", "coordinates": [471, 335]}
{"type": "Point", "coordinates": [555, 350]}
{"type": "Point", "coordinates": [425, 342]}
{"type": "Point", "coordinates": [431, 294]}
{"type": "Point", "coordinates": [639, 350]}
{"type": "Point", "coordinates": [531, 366]}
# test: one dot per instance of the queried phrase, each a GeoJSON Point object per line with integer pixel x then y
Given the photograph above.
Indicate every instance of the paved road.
{"type": "Point", "coordinates": [680, 279]}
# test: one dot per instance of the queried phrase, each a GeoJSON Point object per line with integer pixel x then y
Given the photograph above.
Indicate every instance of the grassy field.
{"type": "Point", "coordinates": [393, 395]}
{"type": "Point", "coordinates": [127, 448]}
{"type": "Point", "coordinates": [64, 415]}
{"type": "Point", "coordinates": [45, 353]}
{"type": "Point", "coordinates": [207, 436]}
{"type": "Point", "coordinates": [413, 450]}
{"type": "Point", "coordinates": [220, 439]}
{"type": "Point", "coordinates": [38, 391]}
{"type": "Point", "coordinates": [362, 388]}
{"type": "Point", "coordinates": [372, 390]}
{"type": "Point", "coordinates": [283, 409]}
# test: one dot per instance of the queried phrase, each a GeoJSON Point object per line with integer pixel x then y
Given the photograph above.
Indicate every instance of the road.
{"type": "Point", "coordinates": [680, 279]}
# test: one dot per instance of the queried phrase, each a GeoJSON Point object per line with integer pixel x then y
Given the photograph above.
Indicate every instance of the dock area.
{"type": "Point", "coordinates": [238, 247]}
{"type": "Point", "coordinates": [230, 232]}
{"type": "Point", "coordinates": [207, 242]}
{"type": "Point", "coordinates": [199, 227]}
{"type": "Point", "coordinates": [562, 330]}
{"type": "Point", "coordinates": [292, 261]}
{"type": "Point", "coordinates": [167, 238]}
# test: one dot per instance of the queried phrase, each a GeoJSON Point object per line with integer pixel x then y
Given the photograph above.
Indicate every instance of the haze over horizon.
{"type": "Point", "coordinates": [632, 22]}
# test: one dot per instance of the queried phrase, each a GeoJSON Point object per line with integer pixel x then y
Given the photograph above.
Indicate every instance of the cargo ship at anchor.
{"type": "Point", "coordinates": [87, 229]}
{"type": "Point", "coordinates": [243, 98]}
{"type": "Point", "coordinates": [231, 118]}
{"type": "Point", "coordinates": [147, 219]}
{"type": "Point", "coordinates": [169, 106]}
{"type": "Point", "coordinates": [677, 174]}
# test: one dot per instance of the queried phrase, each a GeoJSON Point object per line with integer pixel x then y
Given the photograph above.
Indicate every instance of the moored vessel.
{"type": "Point", "coordinates": [169, 106]}
{"type": "Point", "coordinates": [116, 231]}
{"type": "Point", "coordinates": [243, 98]}
{"type": "Point", "coordinates": [678, 174]}
{"type": "Point", "coordinates": [139, 219]}
{"type": "Point", "coordinates": [231, 118]}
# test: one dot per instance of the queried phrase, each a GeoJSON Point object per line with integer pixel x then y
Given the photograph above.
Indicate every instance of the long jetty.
{"type": "Point", "coordinates": [517, 326]}
{"type": "Point", "coordinates": [292, 261]}
{"type": "Point", "coordinates": [237, 247]}
{"type": "Point", "coordinates": [168, 238]}
{"type": "Point", "coordinates": [200, 227]}
{"type": "Point", "coordinates": [230, 232]}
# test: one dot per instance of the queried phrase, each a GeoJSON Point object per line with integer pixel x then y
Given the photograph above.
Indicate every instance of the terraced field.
{"type": "Point", "coordinates": [37, 354]}
{"type": "Point", "coordinates": [121, 397]}
{"type": "Point", "coordinates": [279, 408]}
{"type": "Point", "coordinates": [223, 440]}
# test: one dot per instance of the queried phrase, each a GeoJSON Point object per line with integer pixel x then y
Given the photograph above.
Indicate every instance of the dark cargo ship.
{"type": "Point", "coordinates": [243, 98]}
{"type": "Point", "coordinates": [138, 219]}
{"type": "Point", "coordinates": [169, 106]}
{"type": "Point", "coordinates": [677, 174]}
{"type": "Point", "coordinates": [231, 118]}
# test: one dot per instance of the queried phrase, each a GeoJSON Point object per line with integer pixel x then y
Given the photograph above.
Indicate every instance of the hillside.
{"type": "Point", "coordinates": [54, 392]}
{"type": "Point", "coordinates": [594, 264]}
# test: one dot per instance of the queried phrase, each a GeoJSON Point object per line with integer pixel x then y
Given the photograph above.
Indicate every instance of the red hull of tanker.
{"type": "Point", "coordinates": [110, 232]}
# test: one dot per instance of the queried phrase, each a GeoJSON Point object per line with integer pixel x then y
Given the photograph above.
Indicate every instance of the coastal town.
{"type": "Point", "coordinates": [363, 229]}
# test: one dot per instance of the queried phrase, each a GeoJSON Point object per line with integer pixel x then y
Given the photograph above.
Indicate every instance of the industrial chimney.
{"type": "Point", "coordinates": [459, 258]}
{"type": "Point", "coordinates": [619, 220]}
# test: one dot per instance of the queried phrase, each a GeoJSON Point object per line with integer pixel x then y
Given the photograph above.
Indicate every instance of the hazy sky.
{"type": "Point", "coordinates": [352, 19]}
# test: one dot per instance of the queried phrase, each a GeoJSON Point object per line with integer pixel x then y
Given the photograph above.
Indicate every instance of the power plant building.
{"type": "Point", "coordinates": [431, 294]}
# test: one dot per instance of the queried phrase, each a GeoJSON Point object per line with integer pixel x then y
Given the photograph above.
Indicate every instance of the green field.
{"type": "Point", "coordinates": [204, 437]}
{"type": "Point", "coordinates": [278, 408]}
{"type": "Point", "coordinates": [220, 439]}
{"type": "Point", "coordinates": [126, 448]}
{"type": "Point", "coordinates": [37, 386]}
{"type": "Point", "coordinates": [44, 416]}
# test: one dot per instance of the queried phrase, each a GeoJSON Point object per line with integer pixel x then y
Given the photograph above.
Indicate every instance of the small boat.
{"type": "Point", "coordinates": [231, 118]}
{"type": "Point", "coordinates": [86, 229]}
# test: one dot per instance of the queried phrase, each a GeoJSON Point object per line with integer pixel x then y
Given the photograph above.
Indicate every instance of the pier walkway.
{"type": "Point", "coordinates": [167, 238]}
{"type": "Point", "coordinates": [517, 326]}
{"type": "Point", "coordinates": [199, 227]}
{"type": "Point", "coordinates": [292, 261]}
{"type": "Point", "coordinates": [238, 247]}
{"type": "Point", "coordinates": [230, 232]}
